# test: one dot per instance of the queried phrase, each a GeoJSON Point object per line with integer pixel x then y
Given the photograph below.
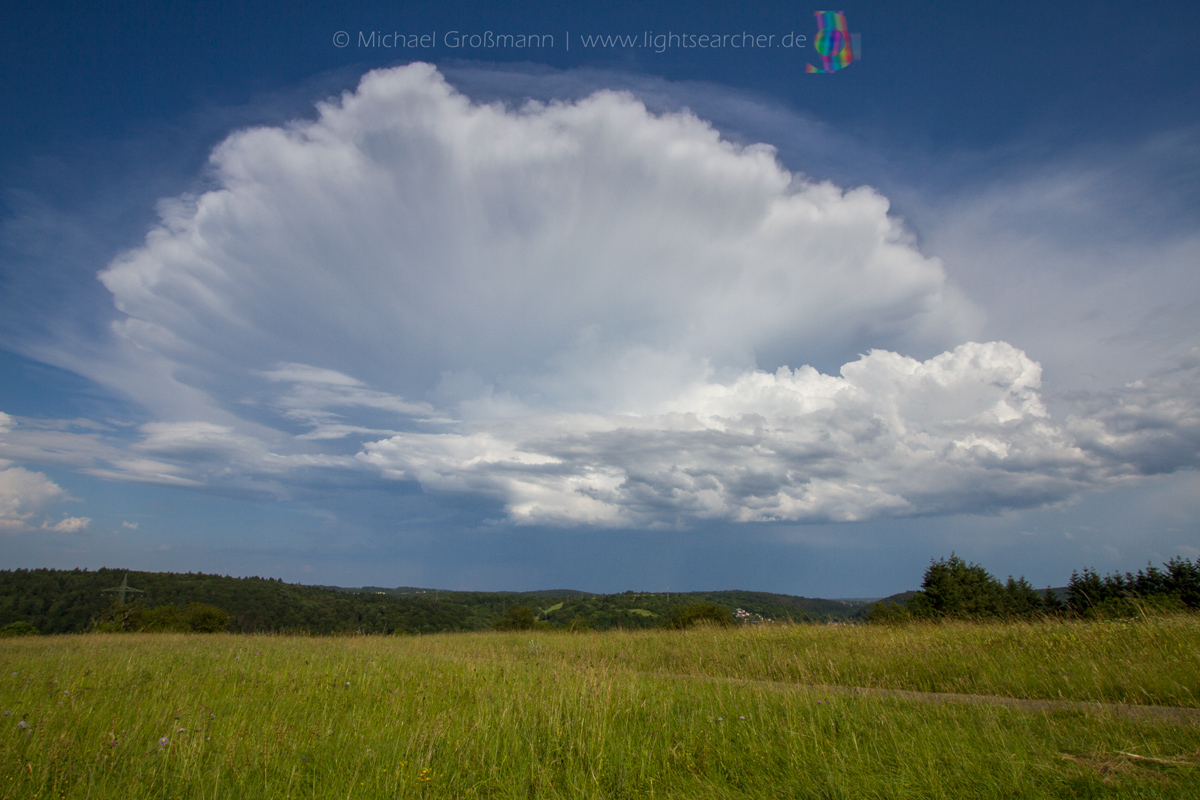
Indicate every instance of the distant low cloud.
{"type": "Point", "coordinates": [68, 525]}
{"type": "Point", "coordinates": [1149, 427]}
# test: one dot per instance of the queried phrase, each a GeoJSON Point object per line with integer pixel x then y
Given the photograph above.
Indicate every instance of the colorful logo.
{"type": "Point", "coordinates": [835, 44]}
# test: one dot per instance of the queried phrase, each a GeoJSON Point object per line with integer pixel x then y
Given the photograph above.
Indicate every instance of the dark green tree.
{"type": "Point", "coordinates": [516, 618]}
{"type": "Point", "coordinates": [1183, 581]}
{"type": "Point", "coordinates": [697, 613]}
{"type": "Point", "coordinates": [1020, 599]}
{"type": "Point", "coordinates": [1148, 581]}
{"type": "Point", "coordinates": [19, 628]}
{"type": "Point", "coordinates": [1051, 603]}
{"type": "Point", "coordinates": [159, 619]}
{"type": "Point", "coordinates": [956, 588]}
{"type": "Point", "coordinates": [579, 624]}
{"type": "Point", "coordinates": [888, 613]}
{"type": "Point", "coordinates": [205, 618]}
{"type": "Point", "coordinates": [118, 617]}
{"type": "Point", "coordinates": [1085, 590]}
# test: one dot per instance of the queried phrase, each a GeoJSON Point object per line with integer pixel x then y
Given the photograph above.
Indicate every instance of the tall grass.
{"type": "Point", "coordinates": [596, 715]}
{"type": "Point", "coordinates": [1154, 661]}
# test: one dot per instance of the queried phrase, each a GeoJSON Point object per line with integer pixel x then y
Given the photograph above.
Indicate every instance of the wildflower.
{"type": "Point", "coordinates": [741, 717]}
{"type": "Point", "coordinates": [22, 725]}
{"type": "Point", "coordinates": [720, 719]}
{"type": "Point", "coordinates": [163, 741]}
{"type": "Point", "coordinates": [181, 730]}
{"type": "Point", "coordinates": [6, 713]}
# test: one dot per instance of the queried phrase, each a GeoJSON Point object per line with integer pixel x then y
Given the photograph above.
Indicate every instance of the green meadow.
{"type": "Point", "coordinates": [1095, 709]}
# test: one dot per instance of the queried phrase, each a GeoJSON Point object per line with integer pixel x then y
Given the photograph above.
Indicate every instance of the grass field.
{"type": "Point", "coordinates": [749, 712]}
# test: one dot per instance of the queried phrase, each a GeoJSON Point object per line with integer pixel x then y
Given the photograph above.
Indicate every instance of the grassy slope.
{"type": "Point", "coordinates": [598, 715]}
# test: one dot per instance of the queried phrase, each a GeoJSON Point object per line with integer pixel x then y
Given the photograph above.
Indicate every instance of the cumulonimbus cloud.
{"type": "Point", "coordinates": [586, 311]}
{"type": "Point", "coordinates": [408, 234]}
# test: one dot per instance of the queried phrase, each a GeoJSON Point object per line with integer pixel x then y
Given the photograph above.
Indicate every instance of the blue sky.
{"type": "Point", "coordinates": [603, 318]}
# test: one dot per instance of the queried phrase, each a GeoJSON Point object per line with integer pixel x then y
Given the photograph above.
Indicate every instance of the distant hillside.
{"type": "Point", "coordinates": [399, 590]}
{"type": "Point", "coordinates": [56, 601]}
{"type": "Point", "coordinates": [900, 597]}
{"type": "Point", "coordinates": [66, 601]}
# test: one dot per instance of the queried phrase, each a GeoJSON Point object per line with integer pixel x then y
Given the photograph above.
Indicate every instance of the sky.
{"type": "Point", "coordinates": [599, 296]}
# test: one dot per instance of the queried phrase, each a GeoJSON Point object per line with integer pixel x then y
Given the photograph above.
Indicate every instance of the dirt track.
{"type": "Point", "coordinates": [1166, 713]}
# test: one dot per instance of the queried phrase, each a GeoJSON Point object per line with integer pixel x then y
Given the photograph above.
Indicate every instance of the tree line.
{"type": "Point", "coordinates": [76, 601]}
{"type": "Point", "coordinates": [955, 588]}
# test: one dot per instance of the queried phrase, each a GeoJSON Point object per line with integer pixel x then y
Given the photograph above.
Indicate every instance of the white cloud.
{"type": "Point", "coordinates": [964, 431]}
{"type": "Point", "coordinates": [24, 494]}
{"type": "Point", "coordinates": [68, 525]}
{"type": "Point", "coordinates": [408, 236]}
{"type": "Point", "coordinates": [129, 526]}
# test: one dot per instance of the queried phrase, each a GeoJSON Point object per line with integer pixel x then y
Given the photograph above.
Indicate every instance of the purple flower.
{"type": "Point", "coordinates": [22, 725]}
{"type": "Point", "coordinates": [163, 741]}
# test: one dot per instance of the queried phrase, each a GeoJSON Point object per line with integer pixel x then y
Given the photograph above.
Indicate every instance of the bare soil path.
{"type": "Point", "coordinates": [1175, 714]}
